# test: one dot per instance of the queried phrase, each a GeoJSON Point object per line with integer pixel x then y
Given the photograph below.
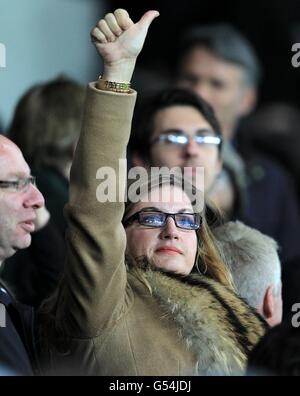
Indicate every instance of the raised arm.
{"type": "Point", "coordinates": [94, 289]}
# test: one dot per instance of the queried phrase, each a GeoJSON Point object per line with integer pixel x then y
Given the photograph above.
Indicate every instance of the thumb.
{"type": "Point", "coordinates": [147, 19]}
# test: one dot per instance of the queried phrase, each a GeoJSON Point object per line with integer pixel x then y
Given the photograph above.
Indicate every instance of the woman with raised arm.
{"type": "Point", "coordinates": [128, 304]}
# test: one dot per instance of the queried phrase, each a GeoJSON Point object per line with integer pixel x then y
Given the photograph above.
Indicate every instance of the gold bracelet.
{"type": "Point", "coordinates": [121, 87]}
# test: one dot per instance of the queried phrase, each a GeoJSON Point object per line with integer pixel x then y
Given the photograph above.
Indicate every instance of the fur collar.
{"type": "Point", "coordinates": [214, 323]}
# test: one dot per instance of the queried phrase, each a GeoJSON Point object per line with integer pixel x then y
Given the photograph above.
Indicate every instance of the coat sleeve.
{"type": "Point", "coordinates": [93, 290]}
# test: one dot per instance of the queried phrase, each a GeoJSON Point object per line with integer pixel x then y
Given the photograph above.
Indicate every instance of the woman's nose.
{"type": "Point", "coordinates": [170, 230]}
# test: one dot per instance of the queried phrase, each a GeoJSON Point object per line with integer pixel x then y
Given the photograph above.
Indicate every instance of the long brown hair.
{"type": "Point", "coordinates": [209, 261]}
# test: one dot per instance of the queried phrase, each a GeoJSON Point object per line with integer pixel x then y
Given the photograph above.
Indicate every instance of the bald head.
{"type": "Point", "coordinates": [4, 140]}
{"type": "Point", "coordinates": [12, 162]}
{"type": "Point", "coordinates": [6, 144]}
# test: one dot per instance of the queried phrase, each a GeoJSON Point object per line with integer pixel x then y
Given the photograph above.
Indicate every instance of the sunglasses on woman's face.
{"type": "Point", "coordinates": [156, 219]}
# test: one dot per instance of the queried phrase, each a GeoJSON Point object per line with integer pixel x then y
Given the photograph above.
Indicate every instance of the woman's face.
{"type": "Point", "coordinates": [169, 248]}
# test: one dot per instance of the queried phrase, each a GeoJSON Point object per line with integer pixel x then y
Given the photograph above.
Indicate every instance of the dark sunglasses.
{"type": "Point", "coordinates": [186, 221]}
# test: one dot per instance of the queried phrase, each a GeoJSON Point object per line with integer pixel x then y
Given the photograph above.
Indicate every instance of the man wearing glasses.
{"type": "Point", "coordinates": [19, 201]}
{"type": "Point", "coordinates": [178, 129]}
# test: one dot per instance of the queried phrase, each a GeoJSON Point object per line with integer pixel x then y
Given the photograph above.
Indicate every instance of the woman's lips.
{"type": "Point", "coordinates": [169, 250]}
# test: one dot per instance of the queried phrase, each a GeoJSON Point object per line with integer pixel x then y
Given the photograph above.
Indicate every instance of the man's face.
{"type": "Point", "coordinates": [17, 208]}
{"type": "Point", "coordinates": [190, 121]}
{"type": "Point", "coordinates": [220, 83]}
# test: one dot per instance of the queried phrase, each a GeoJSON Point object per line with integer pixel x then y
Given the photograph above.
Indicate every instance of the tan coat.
{"type": "Point", "coordinates": [111, 323]}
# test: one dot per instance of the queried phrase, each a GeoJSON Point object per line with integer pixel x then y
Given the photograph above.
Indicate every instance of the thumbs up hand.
{"type": "Point", "coordinates": [119, 41]}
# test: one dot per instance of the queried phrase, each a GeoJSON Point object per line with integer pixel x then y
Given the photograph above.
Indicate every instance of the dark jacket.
{"type": "Point", "coordinates": [17, 349]}
{"type": "Point", "coordinates": [265, 198]}
{"type": "Point", "coordinates": [272, 205]}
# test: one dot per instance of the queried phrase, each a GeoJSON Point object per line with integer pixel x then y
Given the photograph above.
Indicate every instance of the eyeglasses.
{"type": "Point", "coordinates": [18, 185]}
{"type": "Point", "coordinates": [180, 139]}
{"type": "Point", "coordinates": [156, 219]}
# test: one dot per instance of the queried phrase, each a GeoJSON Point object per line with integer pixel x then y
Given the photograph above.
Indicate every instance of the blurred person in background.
{"type": "Point", "coordinates": [274, 130]}
{"type": "Point", "coordinates": [46, 126]}
{"type": "Point", "coordinates": [176, 128]}
{"type": "Point", "coordinates": [220, 65]}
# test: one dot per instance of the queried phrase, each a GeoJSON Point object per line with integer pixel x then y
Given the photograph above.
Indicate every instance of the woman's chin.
{"type": "Point", "coordinates": [170, 265]}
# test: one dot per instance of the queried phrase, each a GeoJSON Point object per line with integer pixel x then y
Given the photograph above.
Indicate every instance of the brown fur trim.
{"type": "Point", "coordinates": [214, 323]}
